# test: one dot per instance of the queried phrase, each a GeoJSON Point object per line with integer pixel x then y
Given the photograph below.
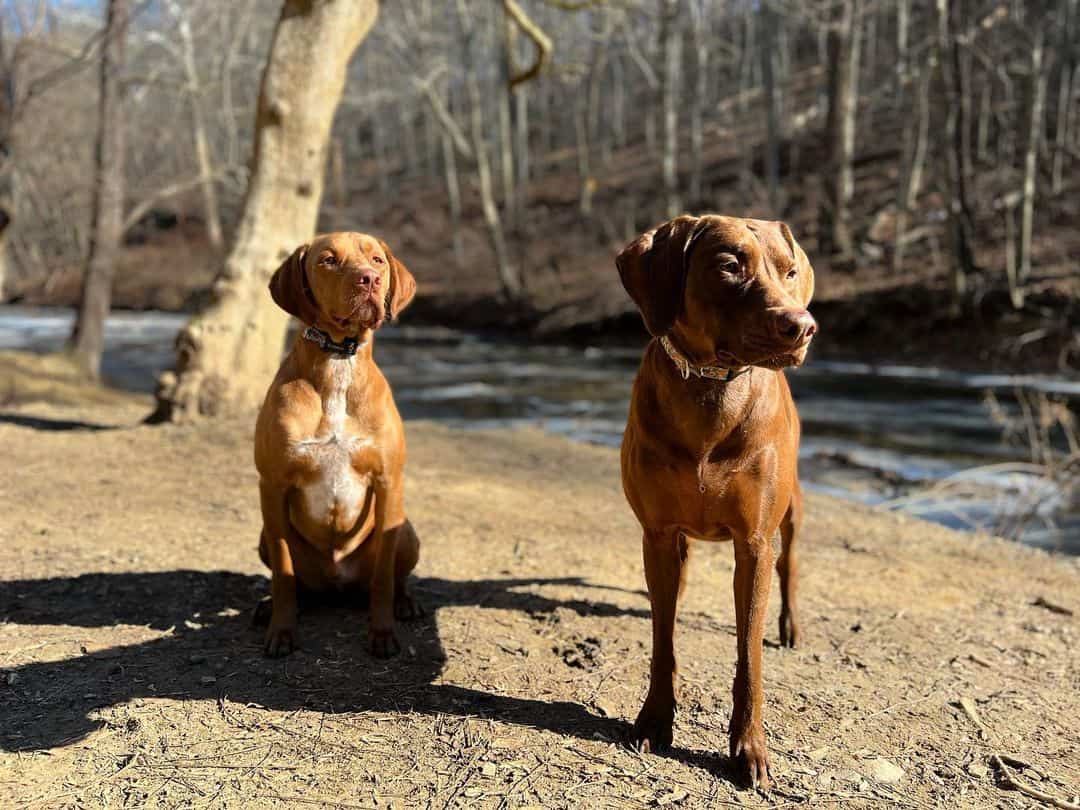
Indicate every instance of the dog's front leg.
{"type": "Point", "coordinates": [281, 634]}
{"type": "Point", "coordinates": [381, 637]}
{"type": "Point", "coordinates": [753, 573]}
{"type": "Point", "coordinates": [666, 557]}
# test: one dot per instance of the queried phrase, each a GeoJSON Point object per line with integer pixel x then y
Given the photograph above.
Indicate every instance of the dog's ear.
{"type": "Point", "coordinates": [806, 272]}
{"type": "Point", "coordinates": [402, 284]}
{"type": "Point", "coordinates": [653, 271]}
{"type": "Point", "coordinates": [289, 288]}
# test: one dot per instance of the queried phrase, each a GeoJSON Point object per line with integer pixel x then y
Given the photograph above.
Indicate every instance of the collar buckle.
{"type": "Point", "coordinates": [682, 363]}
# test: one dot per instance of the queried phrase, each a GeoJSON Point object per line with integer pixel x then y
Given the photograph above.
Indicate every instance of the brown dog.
{"type": "Point", "coordinates": [712, 439]}
{"type": "Point", "coordinates": [329, 443]}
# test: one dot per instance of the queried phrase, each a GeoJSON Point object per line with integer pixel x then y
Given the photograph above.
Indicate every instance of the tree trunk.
{"type": "Point", "coordinates": [961, 222]}
{"type": "Point", "coordinates": [453, 195]}
{"type": "Point", "coordinates": [671, 53]}
{"type": "Point", "coordinates": [914, 158]}
{"type": "Point", "coordinates": [1031, 158]}
{"type": "Point", "coordinates": [835, 232]}
{"type": "Point", "coordinates": [198, 127]}
{"type": "Point", "coordinates": [1066, 73]}
{"type": "Point", "coordinates": [512, 286]}
{"type": "Point", "coordinates": [107, 215]}
{"type": "Point", "coordinates": [772, 122]}
{"type": "Point", "coordinates": [697, 102]}
{"type": "Point", "coordinates": [227, 355]}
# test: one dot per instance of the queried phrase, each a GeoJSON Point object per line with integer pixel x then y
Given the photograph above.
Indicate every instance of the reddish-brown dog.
{"type": "Point", "coordinates": [712, 439]}
{"type": "Point", "coordinates": [329, 443]}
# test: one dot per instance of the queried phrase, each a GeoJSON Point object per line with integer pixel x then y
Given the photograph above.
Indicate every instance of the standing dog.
{"type": "Point", "coordinates": [712, 439]}
{"type": "Point", "coordinates": [329, 443]}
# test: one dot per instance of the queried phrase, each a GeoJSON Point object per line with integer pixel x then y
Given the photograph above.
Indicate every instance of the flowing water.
{"type": "Point", "coordinates": [905, 437]}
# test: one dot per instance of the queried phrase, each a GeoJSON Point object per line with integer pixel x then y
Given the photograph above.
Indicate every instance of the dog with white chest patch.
{"type": "Point", "coordinates": [330, 446]}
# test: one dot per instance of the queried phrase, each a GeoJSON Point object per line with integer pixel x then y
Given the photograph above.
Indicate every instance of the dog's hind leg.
{"type": "Point", "coordinates": [787, 566]}
{"type": "Point", "coordinates": [408, 554]}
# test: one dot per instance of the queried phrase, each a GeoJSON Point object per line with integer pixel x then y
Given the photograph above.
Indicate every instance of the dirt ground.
{"type": "Point", "coordinates": [130, 675]}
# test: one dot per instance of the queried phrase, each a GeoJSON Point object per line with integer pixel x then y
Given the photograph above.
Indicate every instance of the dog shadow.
{"type": "Point", "coordinates": [211, 649]}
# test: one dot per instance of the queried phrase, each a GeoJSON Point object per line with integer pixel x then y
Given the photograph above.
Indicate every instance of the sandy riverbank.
{"type": "Point", "coordinates": [131, 676]}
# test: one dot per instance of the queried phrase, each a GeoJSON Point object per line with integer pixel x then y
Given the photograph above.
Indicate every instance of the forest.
{"type": "Point", "coordinates": [925, 152]}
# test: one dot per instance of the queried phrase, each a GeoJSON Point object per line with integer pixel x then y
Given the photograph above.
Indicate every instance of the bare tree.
{"type": "Point", "coordinates": [835, 229]}
{"type": "Point", "coordinates": [106, 232]}
{"type": "Point", "coordinates": [227, 354]}
{"type": "Point", "coordinates": [671, 56]}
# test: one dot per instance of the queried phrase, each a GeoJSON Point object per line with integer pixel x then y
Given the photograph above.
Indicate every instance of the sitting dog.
{"type": "Point", "coordinates": [712, 438]}
{"type": "Point", "coordinates": [329, 443]}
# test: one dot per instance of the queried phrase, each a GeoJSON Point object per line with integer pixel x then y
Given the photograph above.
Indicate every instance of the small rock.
{"type": "Point", "coordinates": [671, 797]}
{"type": "Point", "coordinates": [11, 678]}
{"type": "Point", "coordinates": [978, 770]}
{"type": "Point", "coordinates": [206, 680]}
{"type": "Point", "coordinates": [489, 769]}
{"type": "Point", "coordinates": [885, 771]}
{"type": "Point", "coordinates": [196, 658]}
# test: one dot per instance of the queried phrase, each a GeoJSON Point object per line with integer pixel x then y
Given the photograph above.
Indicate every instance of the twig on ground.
{"type": "Point", "coordinates": [997, 759]}
{"type": "Point", "coordinates": [1053, 608]}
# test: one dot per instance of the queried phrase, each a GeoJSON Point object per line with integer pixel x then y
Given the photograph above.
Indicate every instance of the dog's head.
{"type": "Point", "coordinates": [343, 282]}
{"type": "Point", "coordinates": [731, 291]}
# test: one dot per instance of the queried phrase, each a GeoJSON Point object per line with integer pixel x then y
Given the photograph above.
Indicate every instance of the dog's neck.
{"type": "Point", "coordinates": [720, 408]}
{"type": "Point", "coordinates": [333, 373]}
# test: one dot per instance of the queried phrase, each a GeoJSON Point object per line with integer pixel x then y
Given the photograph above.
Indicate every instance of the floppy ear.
{"type": "Point", "coordinates": [653, 271]}
{"type": "Point", "coordinates": [402, 284]}
{"type": "Point", "coordinates": [806, 272]}
{"type": "Point", "coordinates": [290, 291]}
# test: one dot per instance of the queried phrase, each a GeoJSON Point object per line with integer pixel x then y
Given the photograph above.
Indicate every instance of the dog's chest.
{"type": "Point", "coordinates": [333, 489]}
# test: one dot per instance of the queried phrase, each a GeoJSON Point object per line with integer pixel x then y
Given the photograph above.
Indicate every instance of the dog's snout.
{"type": "Point", "coordinates": [368, 280]}
{"type": "Point", "coordinates": [794, 325]}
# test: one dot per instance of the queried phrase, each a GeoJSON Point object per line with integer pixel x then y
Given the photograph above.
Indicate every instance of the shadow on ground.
{"type": "Point", "coordinates": [212, 651]}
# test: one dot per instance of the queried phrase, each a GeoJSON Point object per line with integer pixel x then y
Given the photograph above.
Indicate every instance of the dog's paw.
{"type": "Point", "coordinates": [280, 641]}
{"type": "Point", "coordinates": [406, 608]}
{"type": "Point", "coordinates": [383, 643]}
{"type": "Point", "coordinates": [651, 732]}
{"type": "Point", "coordinates": [749, 745]}
{"type": "Point", "coordinates": [790, 633]}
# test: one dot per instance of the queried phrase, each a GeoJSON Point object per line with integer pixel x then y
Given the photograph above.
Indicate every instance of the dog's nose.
{"type": "Point", "coordinates": [795, 325]}
{"type": "Point", "coordinates": [368, 280]}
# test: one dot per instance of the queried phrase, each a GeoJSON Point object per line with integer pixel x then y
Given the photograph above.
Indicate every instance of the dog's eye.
{"type": "Point", "coordinates": [378, 259]}
{"type": "Point", "coordinates": [792, 273]}
{"type": "Point", "coordinates": [728, 263]}
{"type": "Point", "coordinates": [329, 260]}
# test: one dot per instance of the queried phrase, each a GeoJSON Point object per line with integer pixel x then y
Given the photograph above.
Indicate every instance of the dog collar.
{"type": "Point", "coordinates": [347, 348]}
{"type": "Point", "coordinates": [686, 368]}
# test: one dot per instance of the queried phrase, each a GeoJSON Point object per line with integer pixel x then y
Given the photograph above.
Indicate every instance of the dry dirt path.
{"type": "Point", "coordinates": [130, 676]}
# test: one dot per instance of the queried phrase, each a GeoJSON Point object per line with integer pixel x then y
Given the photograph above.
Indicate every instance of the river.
{"type": "Point", "coordinates": [904, 437]}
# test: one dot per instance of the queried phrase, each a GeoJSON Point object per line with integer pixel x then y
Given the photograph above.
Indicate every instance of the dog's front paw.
{"type": "Point", "coordinates": [406, 608]}
{"type": "Point", "coordinates": [749, 745]}
{"type": "Point", "coordinates": [790, 633]}
{"type": "Point", "coordinates": [652, 729]}
{"type": "Point", "coordinates": [280, 640]}
{"type": "Point", "coordinates": [383, 643]}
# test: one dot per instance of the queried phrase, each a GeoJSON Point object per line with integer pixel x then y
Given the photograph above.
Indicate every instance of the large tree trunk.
{"type": "Point", "coordinates": [227, 355]}
{"type": "Point", "coordinates": [107, 215]}
{"type": "Point", "coordinates": [835, 231]}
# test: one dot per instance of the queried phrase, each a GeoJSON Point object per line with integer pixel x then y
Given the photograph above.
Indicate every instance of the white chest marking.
{"type": "Point", "coordinates": [337, 493]}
